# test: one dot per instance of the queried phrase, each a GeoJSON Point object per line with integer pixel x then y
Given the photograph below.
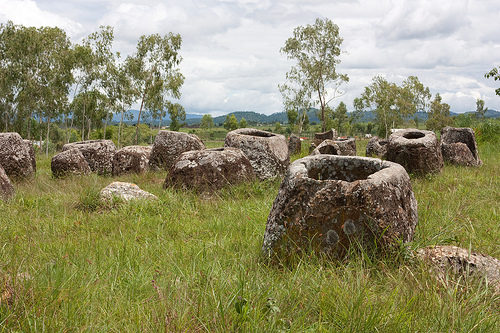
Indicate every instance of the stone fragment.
{"type": "Point", "coordinates": [125, 192]}
{"type": "Point", "coordinates": [168, 145]}
{"type": "Point", "coordinates": [209, 170]}
{"type": "Point", "coordinates": [327, 147]}
{"type": "Point", "coordinates": [456, 260]}
{"type": "Point", "coordinates": [15, 157]}
{"type": "Point", "coordinates": [347, 146]}
{"type": "Point", "coordinates": [328, 135]}
{"type": "Point", "coordinates": [131, 159]}
{"type": "Point", "coordinates": [267, 152]}
{"type": "Point", "coordinates": [454, 145]}
{"type": "Point", "coordinates": [376, 147]}
{"type": "Point", "coordinates": [98, 153]}
{"type": "Point", "coordinates": [7, 190]}
{"type": "Point", "coordinates": [294, 145]}
{"type": "Point", "coordinates": [69, 162]}
{"type": "Point", "coordinates": [31, 151]}
{"type": "Point", "coordinates": [329, 203]}
{"type": "Point", "coordinates": [416, 150]}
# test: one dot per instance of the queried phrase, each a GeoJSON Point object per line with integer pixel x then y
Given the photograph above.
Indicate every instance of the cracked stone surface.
{"type": "Point", "coordinates": [7, 190]}
{"type": "Point", "coordinates": [458, 146]}
{"type": "Point", "coordinates": [267, 152]}
{"type": "Point", "coordinates": [68, 162]}
{"type": "Point", "coordinates": [457, 260]}
{"type": "Point", "coordinates": [416, 150]}
{"type": "Point", "coordinates": [98, 153]}
{"type": "Point", "coordinates": [327, 202]}
{"type": "Point", "coordinates": [131, 159]}
{"type": "Point", "coordinates": [210, 169]}
{"type": "Point", "coordinates": [15, 157]}
{"type": "Point", "coordinates": [125, 191]}
{"type": "Point", "coordinates": [168, 145]}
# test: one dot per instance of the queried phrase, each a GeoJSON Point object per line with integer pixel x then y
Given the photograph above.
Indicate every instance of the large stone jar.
{"type": "Point", "coordinates": [458, 146]}
{"type": "Point", "coordinates": [15, 157]}
{"type": "Point", "coordinates": [416, 150]}
{"type": "Point", "coordinates": [98, 153]}
{"type": "Point", "coordinates": [209, 170]}
{"type": "Point", "coordinates": [169, 145]}
{"type": "Point", "coordinates": [267, 152]}
{"type": "Point", "coordinates": [327, 203]}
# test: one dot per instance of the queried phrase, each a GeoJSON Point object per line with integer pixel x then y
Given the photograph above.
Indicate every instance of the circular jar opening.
{"type": "Point", "coordinates": [327, 149]}
{"type": "Point", "coordinates": [261, 134]}
{"type": "Point", "coordinates": [348, 170]}
{"type": "Point", "coordinates": [413, 135]}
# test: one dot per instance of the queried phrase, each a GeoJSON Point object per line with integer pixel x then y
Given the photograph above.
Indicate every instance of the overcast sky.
{"type": "Point", "coordinates": [230, 49]}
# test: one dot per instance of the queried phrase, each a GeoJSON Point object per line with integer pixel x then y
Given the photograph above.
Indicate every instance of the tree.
{"type": "Point", "coordinates": [495, 74]}
{"type": "Point", "coordinates": [231, 123]}
{"type": "Point", "coordinates": [154, 70]}
{"type": "Point", "coordinates": [35, 75]}
{"type": "Point", "coordinates": [480, 108]}
{"type": "Point", "coordinates": [278, 128]}
{"type": "Point", "coordinates": [439, 115]}
{"type": "Point", "coordinates": [340, 115]}
{"type": "Point", "coordinates": [316, 49]}
{"type": "Point", "coordinates": [292, 116]}
{"type": "Point", "coordinates": [393, 104]}
{"type": "Point", "coordinates": [243, 123]}
{"type": "Point", "coordinates": [177, 115]}
{"type": "Point", "coordinates": [207, 121]}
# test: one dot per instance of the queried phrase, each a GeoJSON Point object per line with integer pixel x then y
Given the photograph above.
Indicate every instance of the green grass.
{"type": "Point", "coordinates": [185, 263]}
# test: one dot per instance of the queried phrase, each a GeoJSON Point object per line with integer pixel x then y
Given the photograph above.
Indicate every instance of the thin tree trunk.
{"type": "Point", "coordinates": [47, 142]}
{"type": "Point", "coordinates": [105, 124]}
{"type": "Point", "coordinates": [139, 118]}
{"type": "Point", "coordinates": [83, 121]}
{"type": "Point", "coordinates": [120, 130]}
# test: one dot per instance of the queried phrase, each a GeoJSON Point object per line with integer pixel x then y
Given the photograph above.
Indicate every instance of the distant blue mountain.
{"type": "Point", "coordinates": [279, 117]}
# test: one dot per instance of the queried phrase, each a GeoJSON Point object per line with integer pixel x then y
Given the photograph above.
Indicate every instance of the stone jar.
{"type": "Point", "coordinates": [267, 152]}
{"type": "Point", "coordinates": [209, 170]}
{"type": "Point", "coordinates": [329, 203]}
{"type": "Point", "coordinates": [416, 150]}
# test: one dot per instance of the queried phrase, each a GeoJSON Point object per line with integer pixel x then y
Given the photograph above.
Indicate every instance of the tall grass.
{"type": "Point", "coordinates": [188, 263]}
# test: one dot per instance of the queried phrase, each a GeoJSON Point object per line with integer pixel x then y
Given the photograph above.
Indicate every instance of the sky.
{"type": "Point", "coordinates": [231, 48]}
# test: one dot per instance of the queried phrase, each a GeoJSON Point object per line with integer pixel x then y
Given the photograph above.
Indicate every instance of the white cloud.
{"type": "Point", "coordinates": [231, 47]}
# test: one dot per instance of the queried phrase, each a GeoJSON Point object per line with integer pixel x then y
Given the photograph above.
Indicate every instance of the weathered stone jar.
{"type": "Point", "coordinates": [458, 146]}
{"type": "Point", "coordinates": [327, 203]}
{"type": "Point", "coordinates": [209, 170]}
{"type": "Point", "coordinates": [267, 152]}
{"type": "Point", "coordinates": [416, 150]}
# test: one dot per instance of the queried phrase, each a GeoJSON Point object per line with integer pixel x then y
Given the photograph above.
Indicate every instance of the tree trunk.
{"type": "Point", "coordinates": [120, 130]}
{"type": "Point", "coordinates": [83, 121]}
{"type": "Point", "coordinates": [47, 140]}
{"type": "Point", "coordinates": [105, 124]}
{"type": "Point", "coordinates": [139, 118]}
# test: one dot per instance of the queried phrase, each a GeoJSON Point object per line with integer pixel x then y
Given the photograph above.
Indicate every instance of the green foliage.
{"type": "Point", "coordinates": [243, 123]}
{"type": "Point", "coordinates": [480, 109]}
{"type": "Point", "coordinates": [495, 74]}
{"type": "Point", "coordinates": [489, 131]}
{"type": "Point", "coordinates": [439, 115]}
{"type": "Point", "coordinates": [154, 72]}
{"type": "Point", "coordinates": [393, 104]}
{"type": "Point", "coordinates": [278, 128]}
{"type": "Point", "coordinates": [316, 50]}
{"type": "Point", "coordinates": [231, 123]}
{"type": "Point", "coordinates": [177, 115]}
{"type": "Point", "coordinates": [207, 122]}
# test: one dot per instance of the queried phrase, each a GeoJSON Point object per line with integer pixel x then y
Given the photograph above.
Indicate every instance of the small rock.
{"type": "Point", "coordinates": [125, 191]}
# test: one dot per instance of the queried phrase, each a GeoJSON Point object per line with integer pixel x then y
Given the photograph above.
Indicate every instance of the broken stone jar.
{"type": "Point", "coordinates": [329, 203]}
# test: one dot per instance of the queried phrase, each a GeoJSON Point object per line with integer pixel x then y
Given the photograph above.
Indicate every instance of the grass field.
{"type": "Point", "coordinates": [69, 263]}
